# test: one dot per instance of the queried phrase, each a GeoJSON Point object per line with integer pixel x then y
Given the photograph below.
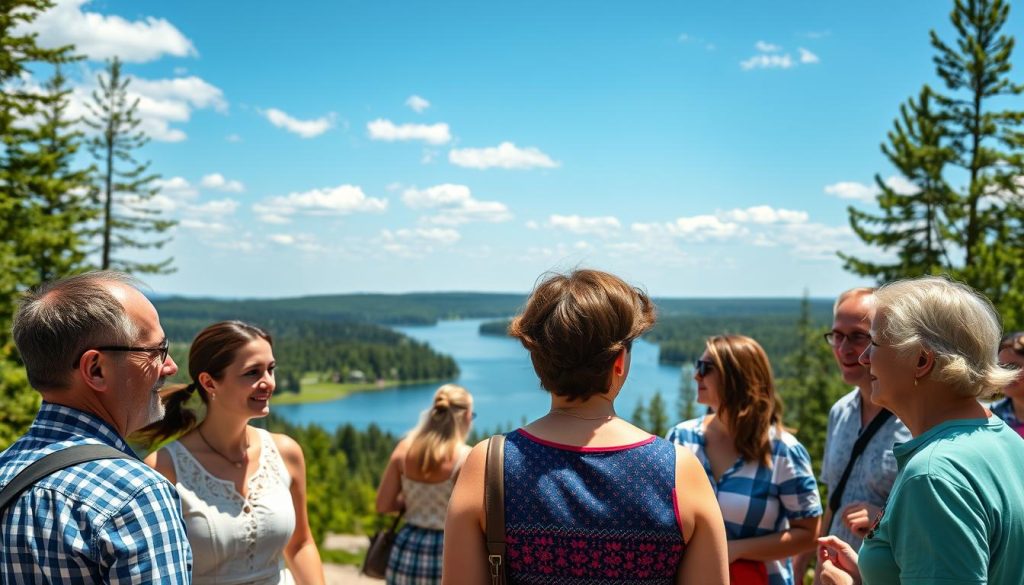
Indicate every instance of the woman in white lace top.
{"type": "Point", "coordinates": [243, 490]}
{"type": "Point", "coordinates": [419, 479]}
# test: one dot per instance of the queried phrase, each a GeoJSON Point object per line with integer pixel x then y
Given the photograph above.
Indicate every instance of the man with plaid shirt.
{"type": "Point", "coordinates": [93, 347]}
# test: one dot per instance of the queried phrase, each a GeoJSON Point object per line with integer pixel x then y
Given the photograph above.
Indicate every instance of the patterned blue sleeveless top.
{"type": "Point", "coordinates": [591, 515]}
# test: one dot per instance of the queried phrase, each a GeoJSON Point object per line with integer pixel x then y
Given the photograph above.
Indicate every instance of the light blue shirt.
{"type": "Point", "coordinates": [874, 472]}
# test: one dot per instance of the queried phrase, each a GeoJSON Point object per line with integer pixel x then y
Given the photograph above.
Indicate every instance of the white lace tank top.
{"type": "Point", "coordinates": [426, 504]}
{"type": "Point", "coordinates": [236, 540]}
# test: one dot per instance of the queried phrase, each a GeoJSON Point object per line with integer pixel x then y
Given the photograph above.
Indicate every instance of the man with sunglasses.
{"type": "Point", "coordinates": [94, 349]}
{"type": "Point", "coordinates": [869, 477]}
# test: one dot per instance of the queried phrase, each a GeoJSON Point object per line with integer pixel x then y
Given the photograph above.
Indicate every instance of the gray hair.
{"type": "Point", "coordinates": [860, 291]}
{"type": "Point", "coordinates": [952, 320]}
{"type": "Point", "coordinates": [59, 320]}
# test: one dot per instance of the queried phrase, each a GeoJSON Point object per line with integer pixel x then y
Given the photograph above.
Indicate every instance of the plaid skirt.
{"type": "Point", "coordinates": [416, 557]}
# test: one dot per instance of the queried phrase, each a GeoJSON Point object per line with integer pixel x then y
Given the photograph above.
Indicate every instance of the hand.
{"type": "Point", "coordinates": [838, 562]}
{"type": "Point", "coordinates": [858, 517]}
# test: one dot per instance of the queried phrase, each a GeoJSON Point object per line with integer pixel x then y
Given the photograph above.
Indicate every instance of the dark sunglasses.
{"type": "Point", "coordinates": [164, 348]}
{"type": "Point", "coordinates": [702, 367]}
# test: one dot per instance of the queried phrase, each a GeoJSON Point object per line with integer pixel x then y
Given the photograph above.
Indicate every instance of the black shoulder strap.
{"type": "Point", "coordinates": [55, 462]}
{"type": "Point", "coordinates": [494, 508]}
{"type": "Point", "coordinates": [858, 448]}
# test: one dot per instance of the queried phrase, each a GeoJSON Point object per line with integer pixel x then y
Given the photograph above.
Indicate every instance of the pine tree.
{"type": "Point", "coordinates": [913, 223]}
{"type": "Point", "coordinates": [126, 186]}
{"type": "Point", "coordinates": [639, 417]}
{"type": "Point", "coordinates": [657, 416]}
{"type": "Point", "coordinates": [812, 386]}
{"type": "Point", "coordinates": [58, 208]}
{"type": "Point", "coordinates": [685, 408]}
{"type": "Point", "coordinates": [972, 232]}
{"type": "Point", "coordinates": [19, 205]}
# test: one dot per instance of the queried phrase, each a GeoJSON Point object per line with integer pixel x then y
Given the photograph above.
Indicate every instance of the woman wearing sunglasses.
{"type": "Point", "coordinates": [419, 479]}
{"type": "Point", "coordinates": [762, 475]}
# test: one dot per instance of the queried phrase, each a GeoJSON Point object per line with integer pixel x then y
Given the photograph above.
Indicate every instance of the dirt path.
{"type": "Point", "coordinates": [347, 575]}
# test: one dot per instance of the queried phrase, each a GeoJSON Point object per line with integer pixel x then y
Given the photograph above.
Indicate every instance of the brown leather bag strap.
{"type": "Point", "coordinates": [494, 508]}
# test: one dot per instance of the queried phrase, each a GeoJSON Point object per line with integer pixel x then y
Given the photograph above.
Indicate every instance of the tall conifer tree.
{"type": "Point", "coordinates": [125, 185]}
{"type": "Point", "coordinates": [972, 136]}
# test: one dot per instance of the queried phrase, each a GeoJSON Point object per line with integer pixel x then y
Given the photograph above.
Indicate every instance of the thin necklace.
{"type": "Point", "coordinates": [237, 464]}
{"type": "Point", "coordinates": [581, 417]}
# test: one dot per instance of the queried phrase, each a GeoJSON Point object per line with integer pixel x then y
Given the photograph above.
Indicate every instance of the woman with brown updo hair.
{"type": "Point", "coordinates": [242, 489]}
{"type": "Point", "coordinates": [761, 473]}
{"type": "Point", "coordinates": [588, 496]}
{"type": "Point", "coordinates": [419, 480]}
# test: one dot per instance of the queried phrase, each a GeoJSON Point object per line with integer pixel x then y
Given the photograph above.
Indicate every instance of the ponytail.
{"type": "Point", "coordinates": [442, 429]}
{"type": "Point", "coordinates": [178, 418]}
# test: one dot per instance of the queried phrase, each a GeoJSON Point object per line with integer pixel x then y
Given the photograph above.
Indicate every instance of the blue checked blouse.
{"type": "Point", "coordinates": [107, 521]}
{"type": "Point", "coordinates": [758, 500]}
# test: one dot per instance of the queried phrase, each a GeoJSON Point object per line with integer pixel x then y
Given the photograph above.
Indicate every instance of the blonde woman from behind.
{"type": "Point", "coordinates": [419, 479]}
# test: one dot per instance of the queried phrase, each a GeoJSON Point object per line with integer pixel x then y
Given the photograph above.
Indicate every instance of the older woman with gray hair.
{"type": "Point", "coordinates": [955, 513]}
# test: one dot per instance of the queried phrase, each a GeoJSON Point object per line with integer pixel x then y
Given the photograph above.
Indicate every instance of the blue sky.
{"type": "Point", "coordinates": [695, 148]}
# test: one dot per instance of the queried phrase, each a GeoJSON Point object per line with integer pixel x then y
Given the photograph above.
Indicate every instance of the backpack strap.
{"type": "Point", "coordinates": [494, 508]}
{"type": "Point", "coordinates": [858, 448]}
{"type": "Point", "coordinates": [55, 462]}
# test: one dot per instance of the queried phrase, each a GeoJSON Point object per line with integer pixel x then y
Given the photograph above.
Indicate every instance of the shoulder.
{"type": "Point", "coordinates": [289, 448]}
{"type": "Point", "coordinates": [162, 460]}
{"type": "Point", "coordinates": [687, 431]}
{"type": "Point", "coordinates": [787, 446]}
{"type": "Point", "coordinates": [846, 403]}
{"type": "Point", "coordinates": [112, 485]}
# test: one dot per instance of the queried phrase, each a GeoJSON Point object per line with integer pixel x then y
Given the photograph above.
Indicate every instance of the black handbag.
{"type": "Point", "coordinates": [375, 564]}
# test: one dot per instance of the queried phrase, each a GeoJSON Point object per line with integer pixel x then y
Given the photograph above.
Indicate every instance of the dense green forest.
{"type": "Point", "coordinates": [684, 324]}
{"type": "Point", "coordinates": [384, 309]}
{"type": "Point", "coordinates": [332, 351]}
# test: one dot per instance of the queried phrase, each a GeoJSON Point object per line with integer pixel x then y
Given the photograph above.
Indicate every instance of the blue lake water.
{"type": "Point", "coordinates": [496, 370]}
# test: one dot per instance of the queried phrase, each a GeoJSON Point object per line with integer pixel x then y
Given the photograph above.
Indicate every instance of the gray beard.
{"type": "Point", "coordinates": [155, 410]}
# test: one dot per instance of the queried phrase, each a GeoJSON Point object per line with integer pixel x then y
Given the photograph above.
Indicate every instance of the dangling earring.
{"type": "Point", "coordinates": [915, 382]}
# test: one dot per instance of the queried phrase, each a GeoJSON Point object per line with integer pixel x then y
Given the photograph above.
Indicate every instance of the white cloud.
{"type": "Point", "coordinates": [274, 218]}
{"type": "Point", "coordinates": [764, 61]}
{"type": "Point", "coordinates": [698, 228]}
{"type": "Point", "coordinates": [176, 187]}
{"type": "Point", "coordinates": [455, 205]}
{"type": "Point", "coordinates": [192, 91]}
{"type": "Point", "coordinates": [867, 193]}
{"type": "Point", "coordinates": [217, 208]}
{"type": "Point", "coordinates": [218, 182]}
{"type": "Point", "coordinates": [304, 128]}
{"type": "Point", "coordinates": [417, 103]}
{"type": "Point", "coordinates": [161, 102]}
{"type": "Point", "coordinates": [340, 200]}
{"type": "Point", "coordinates": [532, 225]}
{"type": "Point", "coordinates": [303, 242]}
{"type": "Point", "coordinates": [203, 226]}
{"type": "Point", "coordinates": [808, 57]}
{"type": "Point", "coordinates": [233, 138]}
{"type": "Point", "coordinates": [506, 156]}
{"type": "Point", "coordinates": [104, 36]}
{"type": "Point", "coordinates": [765, 47]}
{"type": "Point", "coordinates": [599, 226]}
{"type": "Point", "coordinates": [386, 130]}
{"type": "Point", "coordinates": [764, 214]}
{"type": "Point", "coordinates": [416, 243]}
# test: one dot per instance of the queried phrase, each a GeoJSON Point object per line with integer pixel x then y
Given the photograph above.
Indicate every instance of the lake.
{"type": "Point", "coordinates": [496, 370]}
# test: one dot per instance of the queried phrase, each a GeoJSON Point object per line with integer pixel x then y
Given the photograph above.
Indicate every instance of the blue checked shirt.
{"type": "Point", "coordinates": [106, 521]}
{"type": "Point", "coordinates": [1004, 410]}
{"type": "Point", "coordinates": [758, 500]}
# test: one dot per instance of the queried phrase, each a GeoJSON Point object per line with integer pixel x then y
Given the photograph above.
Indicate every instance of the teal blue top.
{"type": "Point", "coordinates": [956, 511]}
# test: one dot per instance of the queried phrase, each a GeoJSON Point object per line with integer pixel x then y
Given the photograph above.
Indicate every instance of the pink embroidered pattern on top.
{"type": "Point", "coordinates": [592, 554]}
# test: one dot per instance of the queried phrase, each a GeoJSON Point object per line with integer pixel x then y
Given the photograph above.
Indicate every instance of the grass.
{"type": "Point", "coordinates": [326, 391]}
{"type": "Point", "coordinates": [342, 557]}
